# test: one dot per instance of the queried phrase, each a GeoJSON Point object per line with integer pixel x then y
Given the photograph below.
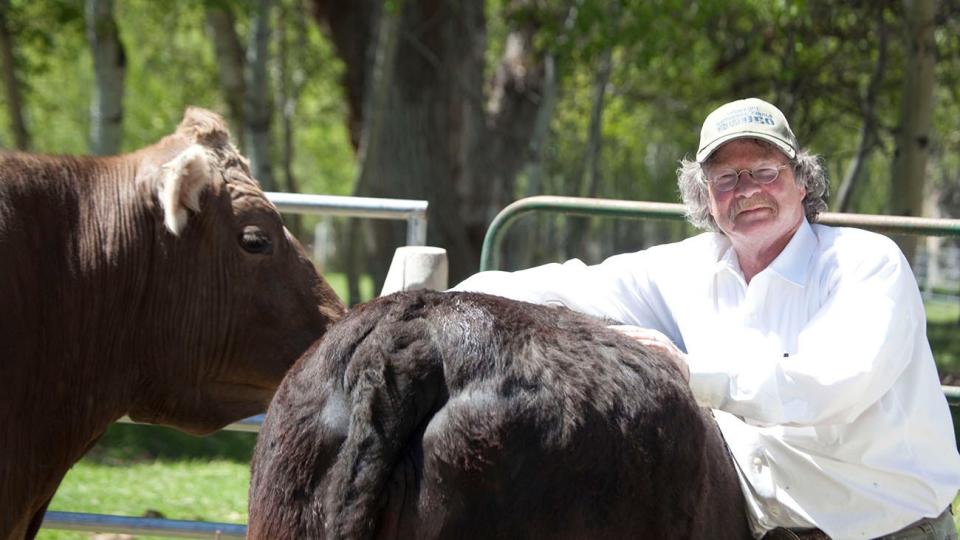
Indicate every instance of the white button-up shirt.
{"type": "Point", "coordinates": [818, 371]}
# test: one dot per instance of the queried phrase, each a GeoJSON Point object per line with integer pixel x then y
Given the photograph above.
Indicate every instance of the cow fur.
{"type": "Point", "coordinates": [459, 415]}
{"type": "Point", "coordinates": [160, 284]}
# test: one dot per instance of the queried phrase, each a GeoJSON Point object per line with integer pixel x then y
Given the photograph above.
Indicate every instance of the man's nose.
{"type": "Point", "coordinates": [745, 184]}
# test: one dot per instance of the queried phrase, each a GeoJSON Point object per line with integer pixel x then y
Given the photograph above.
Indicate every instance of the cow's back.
{"type": "Point", "coordinates": [464, 415]}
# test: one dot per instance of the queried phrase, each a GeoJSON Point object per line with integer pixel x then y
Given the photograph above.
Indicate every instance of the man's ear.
{"type": "Point", "coordinates": [182, 180]}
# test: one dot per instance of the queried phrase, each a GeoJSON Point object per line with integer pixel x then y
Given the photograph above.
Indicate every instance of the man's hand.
{"type": "Point", "coordinates": [657, 341]}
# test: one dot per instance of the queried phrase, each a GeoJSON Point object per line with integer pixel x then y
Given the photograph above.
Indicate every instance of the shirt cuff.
{"type": "Point", "coordinates": [710, 386]}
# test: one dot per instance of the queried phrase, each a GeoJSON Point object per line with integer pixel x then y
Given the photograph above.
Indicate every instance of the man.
{"type": "Point", "coordinates": [809, 342]}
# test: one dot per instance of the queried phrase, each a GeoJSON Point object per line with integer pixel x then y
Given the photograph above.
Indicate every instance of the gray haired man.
{"type": "Point", "coordinates": [807, 341]}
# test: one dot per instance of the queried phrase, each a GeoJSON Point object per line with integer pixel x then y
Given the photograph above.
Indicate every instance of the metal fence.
{"type": "Point", "coordinates": [414, 212]}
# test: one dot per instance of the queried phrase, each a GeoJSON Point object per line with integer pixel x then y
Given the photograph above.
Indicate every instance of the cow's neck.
{"type": "Point", "coordinates": [87, 302]}
{"type": "Point", "coordinates": [75, 222]}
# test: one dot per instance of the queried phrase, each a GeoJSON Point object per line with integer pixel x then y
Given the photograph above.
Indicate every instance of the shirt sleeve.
{"type": "Point", "coordinates": [849, 354]}
{"type": "Point", "coordinates": [607, 291]}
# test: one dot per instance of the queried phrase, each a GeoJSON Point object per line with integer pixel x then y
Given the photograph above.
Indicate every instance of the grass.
{"type": "Point", "coordinates": [213, 490]}
{"type": "Point", "coordinates": [339, 283]}
{"type": "Point", "coordinates": [943, 331]}
{"type": "Point", "coordinates": [148, 471]}
{"type": "Point", "coordinates": [159, 472]}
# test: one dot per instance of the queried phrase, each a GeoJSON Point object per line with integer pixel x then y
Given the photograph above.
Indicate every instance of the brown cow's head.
{"type": "Point", "coordinates": [232, 299]}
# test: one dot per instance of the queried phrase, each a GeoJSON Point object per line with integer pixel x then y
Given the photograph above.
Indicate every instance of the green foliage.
{"type": "Point", "coordinates": [170, 65]}
{"type": "Point", "coordinates": [164, 75]}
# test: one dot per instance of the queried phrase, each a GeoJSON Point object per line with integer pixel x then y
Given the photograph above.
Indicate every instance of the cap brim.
{"type": "Point", "coordinates": [704, 153]}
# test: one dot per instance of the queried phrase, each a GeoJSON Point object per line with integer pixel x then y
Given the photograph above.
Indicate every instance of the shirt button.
{"type": "Point", "coordinates": [757, 463]}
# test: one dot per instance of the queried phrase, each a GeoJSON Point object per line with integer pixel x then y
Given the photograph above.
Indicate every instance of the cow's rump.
{"type": "Point", "coordinates": [457, 415]}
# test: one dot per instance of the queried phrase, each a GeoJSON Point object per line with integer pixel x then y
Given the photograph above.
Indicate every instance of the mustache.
{"type": "Point", "coordinates": [760, 200]}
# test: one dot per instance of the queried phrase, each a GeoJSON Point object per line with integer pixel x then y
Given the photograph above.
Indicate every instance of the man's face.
{"type": "Point", "coordinates": [754, 215]}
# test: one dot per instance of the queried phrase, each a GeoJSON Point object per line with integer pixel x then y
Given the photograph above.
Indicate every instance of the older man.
{"type": "Point", "coordinates": [807, 341]}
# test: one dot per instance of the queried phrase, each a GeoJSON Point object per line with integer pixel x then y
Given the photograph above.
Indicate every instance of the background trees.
{"type": "Point", "coordinates": [472, 104]}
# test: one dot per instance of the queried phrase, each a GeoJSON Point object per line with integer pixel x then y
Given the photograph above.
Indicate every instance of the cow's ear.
{"type": "Point", "coordinates": [182, 180]}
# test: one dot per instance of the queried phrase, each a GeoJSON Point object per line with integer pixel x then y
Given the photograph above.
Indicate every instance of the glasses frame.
{"type": "Point", "coordinates": [752, 177]}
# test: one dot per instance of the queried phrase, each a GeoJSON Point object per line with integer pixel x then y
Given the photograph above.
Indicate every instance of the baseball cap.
{"type": "Point", "coordinates": [746, 118]}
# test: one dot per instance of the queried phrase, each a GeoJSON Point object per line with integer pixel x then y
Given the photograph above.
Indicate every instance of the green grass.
{"type": "Point", "coordinates": [150, 471]}
{"type": "Point", "coordinates": [195, 490]}
{"type": "Point", "coordinates": [339, 283]}
{"type": "Point", "coordinates": [943, 331]}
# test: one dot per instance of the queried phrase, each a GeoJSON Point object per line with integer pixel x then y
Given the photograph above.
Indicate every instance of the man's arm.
{"type": "Point", "coordinates": [614, 290]}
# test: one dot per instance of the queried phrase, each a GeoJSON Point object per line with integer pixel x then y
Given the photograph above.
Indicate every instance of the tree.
{"type": "Point", "coordinates": [868, 129]}
{"type": "Point", "coordinates": [916, 105]}
{"type": "Point", "coordinates": [257, 109]}
{"type": "Point", "coordinates": [11, 80]}
{"type": "Point", "coordinates": [109, 62]}
{"type": "Point", "coordinates": [423, 128]}
{"type": "Point", "coordinates": [230, 62]}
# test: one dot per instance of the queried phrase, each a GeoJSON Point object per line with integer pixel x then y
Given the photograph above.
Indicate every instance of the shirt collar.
{"type": "Point", "coordinates": [793, 262]}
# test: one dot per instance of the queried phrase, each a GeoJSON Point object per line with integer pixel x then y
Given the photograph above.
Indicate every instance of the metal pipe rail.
{"type": "Point", "coordinates": [672, 211]}
{"type": "Point", "coordinates": [77, 521]}
{"type": "Point", "coordinates": [582, 206]}
{"type": "Point", "coordinates": [414, 212]}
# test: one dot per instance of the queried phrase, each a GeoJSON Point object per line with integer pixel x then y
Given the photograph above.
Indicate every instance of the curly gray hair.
{"type": "Point", "coordinates": [807, 171]}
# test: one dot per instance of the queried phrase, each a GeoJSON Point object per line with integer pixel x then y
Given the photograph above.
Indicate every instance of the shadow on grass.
{"type": "Point", "coordinates": [130, 443]}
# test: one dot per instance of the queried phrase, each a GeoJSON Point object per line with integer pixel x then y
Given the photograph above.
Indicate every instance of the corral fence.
{"type": "Point", "coordinates": [414, 212]}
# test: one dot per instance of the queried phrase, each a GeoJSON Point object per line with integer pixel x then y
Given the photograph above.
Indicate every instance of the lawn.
{"type": "Point", "coordinates": [146, 471]}
{"type": "Point", "coordinates": [943, 330]}
{"type": "Point", "coordinates": [149, 471]}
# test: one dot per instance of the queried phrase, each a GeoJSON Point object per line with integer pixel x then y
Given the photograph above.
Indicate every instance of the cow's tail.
{"type": "Point", "coordinates": [395, 383]}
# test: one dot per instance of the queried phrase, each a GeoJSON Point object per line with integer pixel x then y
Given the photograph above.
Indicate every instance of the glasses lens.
{"type": "Point", "coordinates": [765, 175]}
{"type": "Point", "coordinates": [725, 181]}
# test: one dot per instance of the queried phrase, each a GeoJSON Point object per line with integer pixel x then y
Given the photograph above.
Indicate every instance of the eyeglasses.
{"type": "Point", "coordinates": [727, 179]}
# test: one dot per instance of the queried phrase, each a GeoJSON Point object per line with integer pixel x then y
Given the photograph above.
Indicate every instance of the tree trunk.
{"type": "Point", "coordinates": [429, 135]}
{"type": "Point", "coordinates": [511, 131]}
{"type": "Point", "coordinates": [916, 104]}
{"type": "Point", "coordinates": [109, 63]}
{"type": "Point", "coordinates": [289, 86]}
{"type": "Point", "coordinates": [868, 129]}
{"type": "Point", "coordinates": [257, 108]}
{"type": "Point", "coordinates": [528, 233]}
{"type": "Point", "coordinates": [580, 227]}
{"type": "Point", "coordinates": [230, 58]}
{"type": "Point", "coordinates": [11, 81]}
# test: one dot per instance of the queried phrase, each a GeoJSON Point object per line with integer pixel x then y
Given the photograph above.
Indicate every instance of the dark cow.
{"type": "Point", "coordinates": [457, 415]}
{"type": "Point", "coordinates": [160, 284]}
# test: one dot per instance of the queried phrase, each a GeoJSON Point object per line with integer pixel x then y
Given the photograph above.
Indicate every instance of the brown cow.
{"type": "Point", "coordinates": [160, 284]}
{"type": "Point", "coordinates": [457, 415]}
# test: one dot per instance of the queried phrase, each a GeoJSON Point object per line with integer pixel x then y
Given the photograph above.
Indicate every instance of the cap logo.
{"type": "Point", "coordinates": [748, 115]}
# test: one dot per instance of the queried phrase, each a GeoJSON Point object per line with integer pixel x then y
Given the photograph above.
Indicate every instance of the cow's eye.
{"type": "Point", "coordinates": [254, 240]}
